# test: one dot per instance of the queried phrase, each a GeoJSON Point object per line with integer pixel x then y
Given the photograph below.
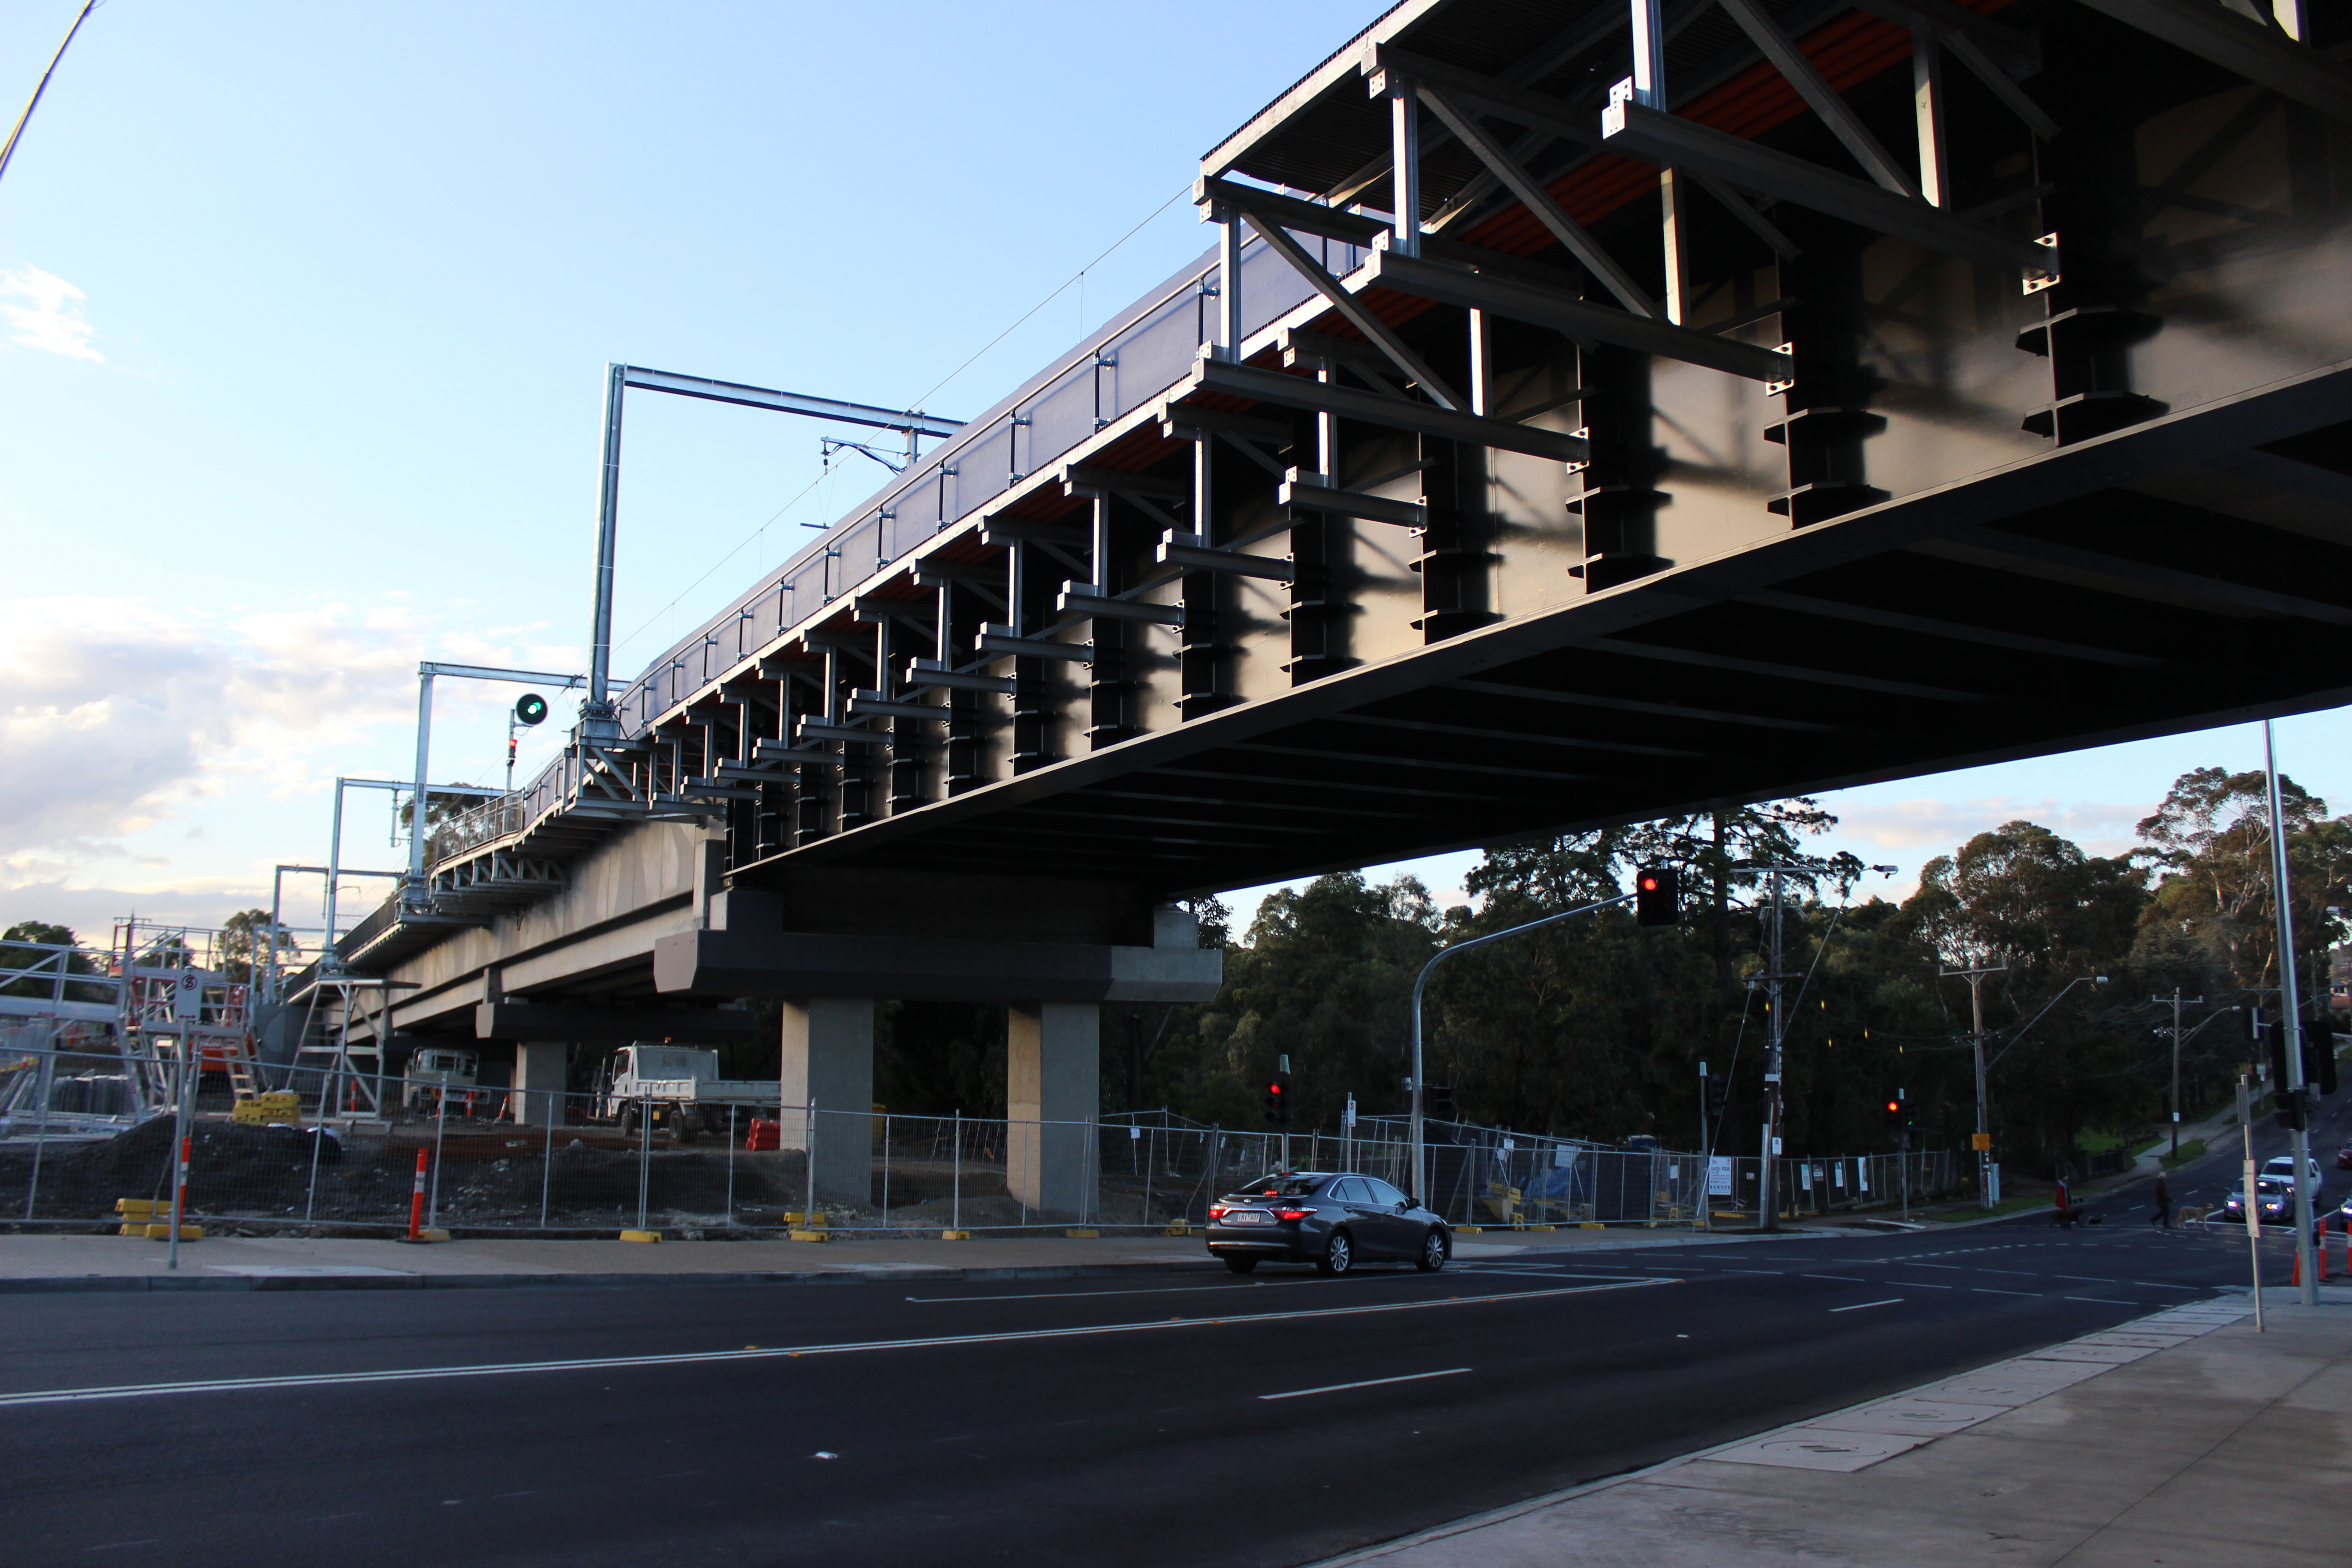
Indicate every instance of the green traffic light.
{"type": "Point", "coordinates": [531, 709]}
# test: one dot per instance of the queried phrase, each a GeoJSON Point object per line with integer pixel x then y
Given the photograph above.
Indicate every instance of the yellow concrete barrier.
{"type": "Point", "coordinates": [163, 1232]}
{"type": "Point", "coordinates": [640, 1235]}
{"type": "Point", "coordinates": [810, 1234]}
{"type": "Point", "coordinates": [1083, 1235]}
{"type": "Point", "coordinates": [955, 1236]}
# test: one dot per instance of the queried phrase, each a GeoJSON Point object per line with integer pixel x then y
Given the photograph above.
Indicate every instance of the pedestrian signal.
{"type": "Point", "coordinates": [531, 709]}
{"type": "Point", "coordinates": [1657, 896]}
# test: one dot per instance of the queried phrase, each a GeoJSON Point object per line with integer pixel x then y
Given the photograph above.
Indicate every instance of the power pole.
{"type": "Point", "coordinates": [2291, 1022]}
{"type": "Point", "coordinates": [2177, 1005]}
{"type": "Point", "coordinates": [1776, 1032]}
{"type": "Point", "coordinates": [1976, 979]}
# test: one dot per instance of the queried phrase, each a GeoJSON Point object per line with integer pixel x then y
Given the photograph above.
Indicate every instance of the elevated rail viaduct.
{"type": "Point", "coordinates": [1589, 412]}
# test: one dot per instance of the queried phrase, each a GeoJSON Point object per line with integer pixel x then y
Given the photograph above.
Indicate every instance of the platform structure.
{"type": "Point", "coordinates": [1590, 412]}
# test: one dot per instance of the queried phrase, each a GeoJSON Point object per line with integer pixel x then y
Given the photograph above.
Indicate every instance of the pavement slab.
{"type": "Point", "coordinates": [2224, 1446]}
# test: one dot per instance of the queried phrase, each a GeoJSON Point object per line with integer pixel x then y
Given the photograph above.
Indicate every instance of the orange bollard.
{"type": "Point", "coordinates": [416, 1202]}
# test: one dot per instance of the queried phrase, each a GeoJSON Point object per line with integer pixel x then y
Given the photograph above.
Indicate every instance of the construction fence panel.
{"type": "Point", "coordinates": [330, 1152]}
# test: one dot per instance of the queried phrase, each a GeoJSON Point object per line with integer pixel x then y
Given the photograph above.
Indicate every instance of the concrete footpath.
{"type": "Point", "coordinates": [32, 1262]}
{"type": "Point", "coordinates": [2183, 1437]}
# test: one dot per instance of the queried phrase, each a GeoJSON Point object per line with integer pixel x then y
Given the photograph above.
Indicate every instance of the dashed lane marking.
{"type": "Point", "coordinates": [691, 1358]}
{"type": "Point", "coordinates": [1368, 1383]}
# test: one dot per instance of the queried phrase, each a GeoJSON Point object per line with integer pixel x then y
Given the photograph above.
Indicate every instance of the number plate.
{"type": "Point", "coordinates": [1248, 1216]}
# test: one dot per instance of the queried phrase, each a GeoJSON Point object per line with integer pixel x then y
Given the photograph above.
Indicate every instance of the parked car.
{"type": "Point", "coordinates": [1334, 1219]}
{"type": "Point", "coordinates": [2343, 1156]}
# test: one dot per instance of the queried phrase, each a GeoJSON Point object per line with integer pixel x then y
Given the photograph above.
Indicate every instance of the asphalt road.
{"type": "Point", "coordinates": [1149, 1419]}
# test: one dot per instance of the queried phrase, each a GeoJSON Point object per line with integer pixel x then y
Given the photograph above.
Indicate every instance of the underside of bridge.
{"type": "Point", "coordinates": [1590, 413]}
{"type": "Point", "coordinates": [1900, 387]}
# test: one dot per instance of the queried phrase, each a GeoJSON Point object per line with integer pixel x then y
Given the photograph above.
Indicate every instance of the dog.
{"type": "Point", "coordinates": [2188, 1215]}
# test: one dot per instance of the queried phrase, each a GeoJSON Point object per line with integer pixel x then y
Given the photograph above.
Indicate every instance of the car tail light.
{"type": "Point", "coordinates": [1218, 1211]}
{"type": "Point", "coordinates": [1292, 1214]}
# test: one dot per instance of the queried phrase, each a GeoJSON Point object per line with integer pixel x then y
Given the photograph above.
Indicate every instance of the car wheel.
{"type": "Point", "coordinates": [1338, 1254]}
{"type": "Point", "coordinates": [1435, 1250]}
{"type": "Point", "coordinates": [1241, 1265]}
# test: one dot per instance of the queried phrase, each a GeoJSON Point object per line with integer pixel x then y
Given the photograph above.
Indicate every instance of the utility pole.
{"type": "Point", "coordinates": [2291, 1022]}
{"type": "Point", "coordinates": [2177, 1005]}
{"type": "Point", "coordinates": [1976, 979]}
{"type": "Point", "coordinates": [1776, 1032]}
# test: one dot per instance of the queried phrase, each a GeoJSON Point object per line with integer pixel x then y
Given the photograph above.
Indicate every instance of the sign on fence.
{"type": "Point", "coordinates": [1718, 1176]}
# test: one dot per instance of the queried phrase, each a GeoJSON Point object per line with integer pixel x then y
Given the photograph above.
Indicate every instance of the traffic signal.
{"type": "Point", "coordinates": [1894, 1108]}
{"type": "Point", "coordinates": [1278, 1099]}
{"type": "Point", "coordinates": [1719, 1090]}
{"type": "Point", "coordinates": [1657, 896]}
{"type": "Point", "coordinates": [2319, 1053]}
{"type": "Point", "coordinates": [531, 708]}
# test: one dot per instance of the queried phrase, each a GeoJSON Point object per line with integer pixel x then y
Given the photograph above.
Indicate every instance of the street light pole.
{"type": "Point", "coordinates": [1421, 981]}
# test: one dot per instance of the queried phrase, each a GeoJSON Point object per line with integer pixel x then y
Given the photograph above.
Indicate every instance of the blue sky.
{"type": "Point", "coordinates": [304, 311]}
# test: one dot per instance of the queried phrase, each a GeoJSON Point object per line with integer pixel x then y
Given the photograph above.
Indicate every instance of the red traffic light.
{"type": "Point", "coordinates": [1894, 1106]}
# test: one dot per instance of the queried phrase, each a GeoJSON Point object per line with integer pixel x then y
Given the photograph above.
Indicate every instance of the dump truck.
{"type": "Point", "coordinates": [677, 1087]}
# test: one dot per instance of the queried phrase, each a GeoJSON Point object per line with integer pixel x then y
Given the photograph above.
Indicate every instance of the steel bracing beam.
{"type": "Point", "coordinates": [1377, 331]}
{"type": "Point", "coordinates": [1806, 78]}
{"type": "Point", "coordinates": [1580, 319]}
{"type": "Point", "coordinates": [1570, 234]}
{"type": "Point", "coordinates": [1669, 141]}
{"type": "Point", "coordinates": [1298, 392]}
{"type": "Point", "coordinates": [2242, 46]}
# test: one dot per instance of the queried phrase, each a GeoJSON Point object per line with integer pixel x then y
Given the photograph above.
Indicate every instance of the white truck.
{"type": "Point", "coordinates": [678, 1088]}
{"type": "Point", "coordinates": [434, 1071]}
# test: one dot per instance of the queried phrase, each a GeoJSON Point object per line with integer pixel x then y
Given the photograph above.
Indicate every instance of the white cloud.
{"type": "Point", "coordinates": [1942, 826]}
{"type": "Point", "coordinates": [122, 714]}
{"type": "Point", "coordinates": [52, 322]}
{"type": "Point", "coordinates": [118, 712]}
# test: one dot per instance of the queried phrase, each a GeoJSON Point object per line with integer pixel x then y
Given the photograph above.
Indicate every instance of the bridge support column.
{"type": "Point", "coordinates": [539, 1082]}
{"type": "Point", "coordinates": [828, 1067]}
{"type": "Point", "coordinates": [1052, 1092]}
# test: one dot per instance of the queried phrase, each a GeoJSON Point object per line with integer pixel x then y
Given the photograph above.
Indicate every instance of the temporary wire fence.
{"type": "Point", "coordinates": [74, 1142]}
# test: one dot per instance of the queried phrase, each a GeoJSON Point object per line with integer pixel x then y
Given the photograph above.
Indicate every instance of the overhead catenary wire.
{"type": "Point", "coordinates": [8, 149]}
{"type": "Point", "coordinates": [1077, 278]}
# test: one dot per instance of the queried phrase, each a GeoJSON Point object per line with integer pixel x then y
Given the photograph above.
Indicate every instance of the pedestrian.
{"type": "Point", "coordinates": [2163, 1214]}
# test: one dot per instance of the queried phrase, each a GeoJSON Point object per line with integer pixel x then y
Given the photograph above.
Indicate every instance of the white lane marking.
{"type": "Point", "coordinates": [1368, 1383]}
{"type": "Point", "coordinates": [1990, 1290]}
{"type": "Point", "coordinates": [1154, 1290]}
{"type": "Point", "coordinates": [778, 1353]}
{"type": "Point", "coordinates": [1953, 1266]}
{"type": "Point", "coordinates": [2086, 1278]}
{"type": "Point", "coordinates": [2103, 1300]}
{"type": "Point", "coordinates": [1917, 1285]}
{"type": "Point", "coordinates": [1858, 1305]}
{"type": "Point", "coordinates": [2160, 1284]}
{"type": "Point", "coordinates": [1840, 1278]}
